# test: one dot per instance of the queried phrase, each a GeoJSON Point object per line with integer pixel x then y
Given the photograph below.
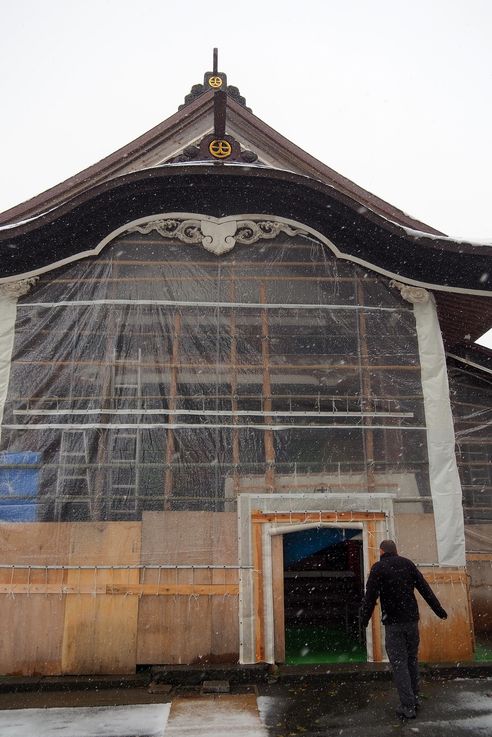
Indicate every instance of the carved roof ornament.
{"type": "Point", "coordinates": [15, 289]}
{"type": "Point", "coordinates": [218, 237]}
{"type": "Point", "coordinates": [214, 80]}
{"type": "Point", "coordinates": [217, 146]}
{"type": "Point", "coordinates": [415, 295]}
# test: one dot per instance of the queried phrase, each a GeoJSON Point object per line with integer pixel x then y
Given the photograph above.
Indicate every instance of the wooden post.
{"type": "Point", "coordinates": [259, 604]}
{"type": "Point", "coordinates": [173, 389]}
{"type": "Point", "coordinates": [367, 402]}
{"type": "Point", "coordinates": [234, 402]}
{"type": "Point", "coordinates": [267, 395]}
{"type": "Point", "coordinates": [278, 597]}
{"type": "Point", "coordinates": [373, 548]}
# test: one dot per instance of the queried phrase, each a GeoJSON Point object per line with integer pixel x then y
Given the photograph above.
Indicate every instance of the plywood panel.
{"type": "Point", "coordinates": [191, 628]}
{"type": "Point", "coordinates": [189, 537]}
{"type": "Point", "coordinates": [100, 631]}
{"type": "Point", "coordinates": [449, 640]}
{"type": "Point", "coordinates": [480, 570]}
{"type": "Point", "coordinates": [225, 621]}
{"type": "Point", "coordinates": [421, 547]}
{"type": "Point", "coordinates": [34, 543]}
{"type": "Point", "coordinates": [41, 616]}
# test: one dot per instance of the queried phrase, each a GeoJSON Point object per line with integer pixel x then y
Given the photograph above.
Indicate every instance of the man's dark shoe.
{"type": "Point", "coordinates": [403, 713]}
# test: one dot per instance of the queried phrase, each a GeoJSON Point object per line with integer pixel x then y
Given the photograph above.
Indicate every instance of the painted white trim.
{"type": "Point", "coordinates": [283, 529]}
{"type": "Point", "coordinates": [230, 305]}
{"type": "Point", "coordinates": [202, 413]}
{"type": "Point", "coordinates": [443, 470]}
{"type": "Point", "coordinates": [8, 311]}
{"type": "Point", "coordinates": [198, 426]}
{"type": "Point", "coordinates": [243, 216]}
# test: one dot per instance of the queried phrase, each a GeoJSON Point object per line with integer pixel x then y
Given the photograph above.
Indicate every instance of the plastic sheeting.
{"type": "Point", "coordinates": [158, 376]}
{"type": "Point", "coordinates": [471, 401]}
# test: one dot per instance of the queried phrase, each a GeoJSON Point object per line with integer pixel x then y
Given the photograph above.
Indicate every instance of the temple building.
{"type": "Point", "coordinates": [226, 373]}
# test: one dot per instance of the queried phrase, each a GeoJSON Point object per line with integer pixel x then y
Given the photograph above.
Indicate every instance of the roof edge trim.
{"type": "Point", "coordinates": [231, 218]}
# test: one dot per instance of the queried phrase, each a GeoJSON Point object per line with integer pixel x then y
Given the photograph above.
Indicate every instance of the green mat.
{"type": "Point", "coordinates": [308, 645]}
{"type": "Point", "coordinates": [483, 648]}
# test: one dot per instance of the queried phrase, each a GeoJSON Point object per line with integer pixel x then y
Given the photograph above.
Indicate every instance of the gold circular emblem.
{"type": "Point", "coordinates": [219, 148]}
{"type": "Point", "coordinates": [215, 82]}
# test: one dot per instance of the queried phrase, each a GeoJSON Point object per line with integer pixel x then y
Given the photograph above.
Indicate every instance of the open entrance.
{"type": "Point", "coordinates": [323, 589]}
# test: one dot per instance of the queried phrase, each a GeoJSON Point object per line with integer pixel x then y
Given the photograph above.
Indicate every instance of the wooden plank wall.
{"type": "Point", "coordinates": [188, 628]}
{"type": "Point", "coordinates": [450, 640]}
{"type": "Point", "coordinates": [32, 625]}
{"type": "Point", "coordinates": [92, 621]}
{"type": "Point", "coordinates": [100, 629]}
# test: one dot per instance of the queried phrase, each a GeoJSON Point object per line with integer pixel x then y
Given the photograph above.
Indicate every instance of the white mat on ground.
{"type": "Point", "coordinates": [138, 720]}
{"type": "Point", "coordinates": [214, 716]}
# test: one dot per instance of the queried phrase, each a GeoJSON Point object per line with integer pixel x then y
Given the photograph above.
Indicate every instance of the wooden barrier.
{"type": "Point", "coordinates": [93, 618]}
{"type": "Point", "coordinates": [108, 620]}
{"type": "Point", "coordinates": [450, 640]}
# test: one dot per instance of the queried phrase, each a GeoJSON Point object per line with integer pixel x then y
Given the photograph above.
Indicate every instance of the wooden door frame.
{"type": "Point", "coordinates": [261, 593]}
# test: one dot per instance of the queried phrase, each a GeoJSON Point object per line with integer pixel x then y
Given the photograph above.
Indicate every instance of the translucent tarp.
{"type": "Point", "coordinates": [471, 401]}
{"type": "Point", "coordinates": [158, 376]}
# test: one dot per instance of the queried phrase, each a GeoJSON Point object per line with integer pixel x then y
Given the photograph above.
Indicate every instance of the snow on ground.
{"type": "Point", "coordinates": [187, 716]}
{"type": "Point", "coordinates": [234, 716]}
{"type": "Point", "coordinates": [139, 720]}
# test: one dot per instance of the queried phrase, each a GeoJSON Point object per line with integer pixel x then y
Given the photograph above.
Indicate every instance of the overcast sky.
{"type": "Point", "coordinates": [394, 94]}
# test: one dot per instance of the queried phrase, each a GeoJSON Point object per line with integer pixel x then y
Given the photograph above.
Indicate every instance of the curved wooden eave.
{"type": "Point", "coordinates": [217, 190]}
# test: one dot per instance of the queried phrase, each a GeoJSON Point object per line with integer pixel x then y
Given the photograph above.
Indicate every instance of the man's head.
{"type": "Point", "coordinates": [388, 546]}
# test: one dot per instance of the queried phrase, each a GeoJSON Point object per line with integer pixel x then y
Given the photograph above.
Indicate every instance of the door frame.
{"type": "Point", "coordinates": [277, 539]}
{"type": "Point", "coordinates": [262, 520]}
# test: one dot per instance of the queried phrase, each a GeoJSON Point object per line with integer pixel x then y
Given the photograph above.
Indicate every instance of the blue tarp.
{"type": "Point", "coordinates": [302, 544]}
{"type": "Point", "coordinates": [19, 486]}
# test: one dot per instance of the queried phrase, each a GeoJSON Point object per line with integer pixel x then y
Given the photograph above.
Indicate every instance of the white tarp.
{"type": "Point", "coordinates": [8, 309]}
{"type": "Point", "coordinates": [443, 470]}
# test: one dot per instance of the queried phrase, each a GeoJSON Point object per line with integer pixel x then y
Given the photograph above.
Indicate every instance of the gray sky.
{"type": "Point", "coordinates": [394, 94]}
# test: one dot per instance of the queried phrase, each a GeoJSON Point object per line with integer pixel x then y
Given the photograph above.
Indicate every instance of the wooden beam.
{"type": "Point", "coordinates": [367, 403]}
{"type": "Point", "coordinates": [301, 517]}
{"type": "Point", "coordinates": [267, 394]}
{"type": "Point", "coordinates": [278, 597]}
{"type": "Point", "coordinates": [137, 589]}
{"type": "Point", "coordinates": [258, 596]}
{"type": "Point", "coordinates": [183, 589]}
{"type": "Point", "coordinates": [173, 390]}
{"type": "Point", "coordinates": [373, 554]}
{"type": "Point", "coordinates": [234, 402]}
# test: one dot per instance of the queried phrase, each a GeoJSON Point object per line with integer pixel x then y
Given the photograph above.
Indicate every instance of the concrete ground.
{"type": "Point", "coordinates": [311, 707]}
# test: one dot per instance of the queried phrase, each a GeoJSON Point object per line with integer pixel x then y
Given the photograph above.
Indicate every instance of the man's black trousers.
{"type": "Point", "coordinates": [402, 644]}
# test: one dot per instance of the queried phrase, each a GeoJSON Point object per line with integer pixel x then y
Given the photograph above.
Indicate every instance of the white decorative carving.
{"type": "Point", "coordinates": [15, 289]}
{"type": "Point", "coordinates": [217, 236]}
{"type": "Point", "coordinates": [415, 295]}
{"type": "Point", "coordinates": [249, 231]}
{"type": "Point", "coordinates": [187, 231]}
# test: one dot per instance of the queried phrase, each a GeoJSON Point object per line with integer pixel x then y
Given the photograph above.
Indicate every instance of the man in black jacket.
{"type": "Point", "coordinates": [393, 579]}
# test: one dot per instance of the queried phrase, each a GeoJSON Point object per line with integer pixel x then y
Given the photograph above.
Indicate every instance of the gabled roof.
{"type": "Point", "coordinates": [76, 218]}
{"type": "Point", "coordinates": [189, 125]}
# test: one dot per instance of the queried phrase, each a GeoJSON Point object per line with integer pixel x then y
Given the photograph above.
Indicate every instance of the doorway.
{"type": "Point", "coordinates": [323, 589]}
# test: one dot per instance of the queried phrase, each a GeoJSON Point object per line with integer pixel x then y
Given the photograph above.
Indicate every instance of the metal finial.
{"type": "Point", "coordinates": [216, 61]}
